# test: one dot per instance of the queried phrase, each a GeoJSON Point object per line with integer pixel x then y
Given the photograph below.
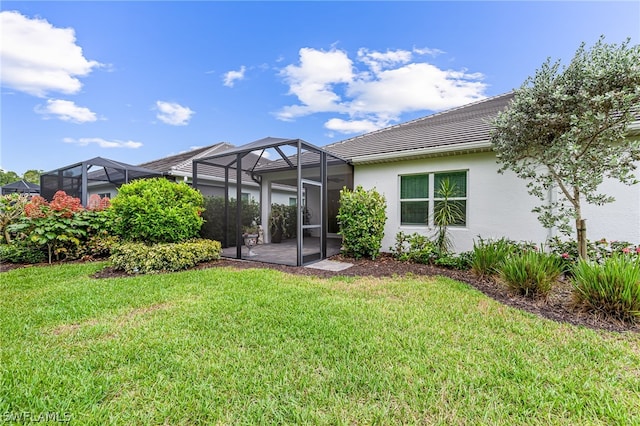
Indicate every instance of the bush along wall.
{"type": "Point", "coordinates": [362, 216]}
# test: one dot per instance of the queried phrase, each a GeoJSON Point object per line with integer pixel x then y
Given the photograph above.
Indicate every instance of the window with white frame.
{"type": "Point", "coordinates": [414, 199]}
{"type": "Point", "coordinates": [420, 196]}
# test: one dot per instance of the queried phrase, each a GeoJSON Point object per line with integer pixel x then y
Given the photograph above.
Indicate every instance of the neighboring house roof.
{"type": "Point", "coordinates": [183, 161]}
{"type": "Point", "coordinates": [182, 164]}
{"type": "Point", "coordinates": [465, 128]}
{"type": "Point", "coordinates": [21, 186]}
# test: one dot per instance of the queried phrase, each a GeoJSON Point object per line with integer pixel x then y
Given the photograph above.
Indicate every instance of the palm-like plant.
{"type": "Point", "coordinates": [446, 212]}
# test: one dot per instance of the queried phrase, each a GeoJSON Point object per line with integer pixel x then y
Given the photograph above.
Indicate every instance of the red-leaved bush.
{"type": "Point", "coordinates": [65, 204]}
{"type": "Point", "coordinates": [98, 204]}
{"type": "Point", "coordinates": [36, 208]}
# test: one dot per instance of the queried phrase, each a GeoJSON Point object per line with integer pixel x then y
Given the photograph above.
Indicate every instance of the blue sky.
{"type": "Point", "coordinates": [137, 81]}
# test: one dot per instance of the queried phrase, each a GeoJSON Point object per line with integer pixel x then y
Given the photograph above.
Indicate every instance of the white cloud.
{"type": "Point", "coordinates": [427, 51]}
{"type": "Point", "coordinates": [378, 60]}
{"type": "Point", "coordinates": [66, 111]}
{"type": "Point", "coordinates": [352, 126]}
{"type": "Point", "coordinates": [414, 87]}
{"type": "Point", "coordinates": [374, 90]}
{"type": "Point", "coordinates": [173, 113]}
{"type": "Point", "coordinates": [313, 82]}
{"type": "Point", "coordinates": [231, 76]}
{"type": "Point", "coordinates": [103, 143]}
{"type": "Point", "coordinates": [37, 58]}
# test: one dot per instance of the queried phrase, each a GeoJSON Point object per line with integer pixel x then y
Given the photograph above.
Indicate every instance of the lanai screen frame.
{"type": "Point", "coordinates": [77, 185]}
{"type": "Point", "coordinates": [230, 158]}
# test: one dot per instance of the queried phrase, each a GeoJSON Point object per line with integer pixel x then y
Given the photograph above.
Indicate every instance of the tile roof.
{"type": "Point", "coordinates": [466, 124]}
{"type": "Point", "coordinates": [182, 164]}
{"type": "Point", "coordinates": [183, 161]}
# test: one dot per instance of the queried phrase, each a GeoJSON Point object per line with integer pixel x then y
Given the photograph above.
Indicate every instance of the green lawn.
{"type": "Point", "coordinates": [222, 346]}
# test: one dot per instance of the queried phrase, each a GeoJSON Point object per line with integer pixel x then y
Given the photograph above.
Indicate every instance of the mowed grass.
{"type": "Point", "coordinates": [223, 346]}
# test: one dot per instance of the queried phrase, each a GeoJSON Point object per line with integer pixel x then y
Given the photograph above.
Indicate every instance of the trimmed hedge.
{"type": "Point", "coordinates": [362, 215]}
{"type": "Point", "coordinates": [157, 211]}
{"type": "Point", "coordinates": [139, 258]}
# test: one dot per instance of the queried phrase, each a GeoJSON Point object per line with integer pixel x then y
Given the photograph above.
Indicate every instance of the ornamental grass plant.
{"type": "Point", "coordinates": [488, 256]}
{"type": "Point", "coordinates": [531, 273]}
{"type": "Point", "coordinates": [612, 287]}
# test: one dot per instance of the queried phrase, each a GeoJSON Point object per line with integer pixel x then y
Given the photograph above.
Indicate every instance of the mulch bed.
{"type": "Point", "coordinates": [556, 306]}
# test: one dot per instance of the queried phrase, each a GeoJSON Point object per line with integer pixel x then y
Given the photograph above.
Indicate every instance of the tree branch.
{"type": "Point", "coordinates": [562, 186]}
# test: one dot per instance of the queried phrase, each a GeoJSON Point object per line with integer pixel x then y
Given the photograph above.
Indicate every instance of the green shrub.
{"type": "Point", "coordinates": [11, 210]}
{"type": "Point", "coordinates": [21, 252]}
{"type": "Point", "coordinates": [597, 251]}
{"type": "Point", "coordinates": [531, 273]}
{"type": "Point", "coordinates": [213, 215]}
{"type": "Point", "coordinates": [488, 256]}
{"type": "Point", "coordinates": [361, 217]}
{"type": "Point", "coordinates": [157, 211]}
{"type": "Point", "coordinates": [413, 247]}
{"type": "Point", "coordinates": [139, 258]}
{"type": "Point", "coordinates": [58, 226]}
{"type": "Point", "coordinates": [612, 287]}
{"type": "Point", "coordinates": [62, 227]}
{"type": "Point", "coordinates": [460, 261]}
{"type": "Point", "coordinates": [99, 246]}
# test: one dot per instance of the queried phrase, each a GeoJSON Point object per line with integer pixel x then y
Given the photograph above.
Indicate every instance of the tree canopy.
{"type": "Point", "coordinates": [568, 129]}
{"type": "Point", "coordinates": [8, 176]}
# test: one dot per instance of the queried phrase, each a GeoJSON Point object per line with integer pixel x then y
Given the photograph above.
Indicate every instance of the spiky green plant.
{"type": "Point", "coordinates": [446, 212]}
{"type": "Point", "coordinates": [531, 273]}
{"type": "Point", "coordinates": [612, 287]}
{"type": "Point", "coordinates": [488, 255]}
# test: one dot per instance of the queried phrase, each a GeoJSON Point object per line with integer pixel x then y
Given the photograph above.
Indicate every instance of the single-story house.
{"type": "Point", "coordinates": [407, 161]}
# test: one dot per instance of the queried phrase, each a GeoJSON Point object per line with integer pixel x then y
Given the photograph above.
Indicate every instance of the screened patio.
{"type": "Point", "coordinates": [297, 230]}
{"type": "Point", "coordinates": [75, 179]}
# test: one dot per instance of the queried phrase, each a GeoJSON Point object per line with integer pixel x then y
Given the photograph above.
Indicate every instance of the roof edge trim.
{"type": "Point", "coordinates": [422, 152]}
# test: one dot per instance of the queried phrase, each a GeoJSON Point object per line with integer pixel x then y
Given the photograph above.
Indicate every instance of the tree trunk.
{"type": "Point", "coordinates": [581, 228]}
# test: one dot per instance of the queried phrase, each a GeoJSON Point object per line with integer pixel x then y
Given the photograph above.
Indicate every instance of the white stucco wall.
{"type": "Point", "coordinates": [619, 220]}
{"type": "Point", "coordinates": [498, 205]}
{"type": "Point", "coordinates": [102, 188]}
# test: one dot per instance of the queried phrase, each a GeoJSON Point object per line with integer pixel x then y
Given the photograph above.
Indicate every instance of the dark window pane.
{"type": "Point", "coordinates": [457, 179]}
{"type": "Point", "coordinates": [415, 186]}
{"type": "Point", "coordinates": [414, 212]}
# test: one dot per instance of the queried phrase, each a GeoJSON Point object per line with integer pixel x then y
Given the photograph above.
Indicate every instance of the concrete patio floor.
{"type": "Point", "coordinates": [284, 253]}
